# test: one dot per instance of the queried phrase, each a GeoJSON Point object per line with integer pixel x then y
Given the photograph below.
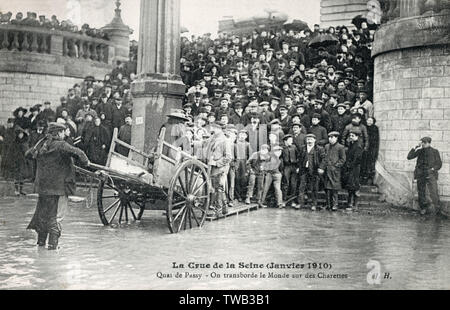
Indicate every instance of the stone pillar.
{"type": "Point", "coordinates": [412, 99]}
{"type": "Point", "coordinates": [119, 35]}
{"type": "Point", "coordinates": [159, 87]}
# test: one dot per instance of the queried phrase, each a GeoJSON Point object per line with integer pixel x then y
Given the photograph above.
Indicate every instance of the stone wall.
{"type": "Point", "coordinates": [340, 12]}
{"type": "Point", "coordinates": [412, 99]}
{"type": "Point", "coordinates": [27, 89]}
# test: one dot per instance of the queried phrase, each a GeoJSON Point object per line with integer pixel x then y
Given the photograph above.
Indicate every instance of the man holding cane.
{"type": "Point", "coordinates": [426, 173]}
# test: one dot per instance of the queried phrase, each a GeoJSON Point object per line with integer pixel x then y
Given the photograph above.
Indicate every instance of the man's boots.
{"type": "Point", "coordinates": [223, 202]}
{"type": "Point", "coordinates": [355, 202]}
{"type": "Point", "coordinates": [42, 238]}
{"type": "Point", "coordinates": [53, 241]}
{"type": "Point", "coordinates": [16, 189]}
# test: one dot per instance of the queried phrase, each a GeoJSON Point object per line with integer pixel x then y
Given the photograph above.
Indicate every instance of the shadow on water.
{"type": "Point", "coordinates": [413, 250]}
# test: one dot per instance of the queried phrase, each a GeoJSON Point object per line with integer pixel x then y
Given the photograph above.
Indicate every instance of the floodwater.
{"type": "Point", "coordinates": [413, 251]}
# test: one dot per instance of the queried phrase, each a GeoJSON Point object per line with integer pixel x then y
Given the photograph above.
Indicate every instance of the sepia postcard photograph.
{"type": "Point", "coordinates": [224, 145]}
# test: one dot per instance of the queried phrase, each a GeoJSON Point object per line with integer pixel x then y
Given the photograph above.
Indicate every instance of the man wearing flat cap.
{"type": "Point", "coordinates": [352, 168]}
{"type": "Point", "coordinates": [310, 164]}
{"type": "Point", "coordinates": [334, 161]}
{"type": "Point", "coordinates": [55, 181]}
{"type": "Point", "coordinates": [426, 173]}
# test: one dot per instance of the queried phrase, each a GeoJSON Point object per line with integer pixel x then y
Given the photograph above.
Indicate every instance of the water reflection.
{"type": "Point", "coordinates": [413, 250]}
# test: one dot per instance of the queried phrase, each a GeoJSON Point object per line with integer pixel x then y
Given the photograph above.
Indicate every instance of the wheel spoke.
{"type": "Point", "coordinates": [178, 204]}
{"type": "Point", "coordinates": [178, 214]}
{"type": "Point", "coordinates": [197, 207]}
{"type": "Point", "coordinates": [186, 182]}
{"type": "Point", "coordinates": [126, 212]}
{"type": "Point", "coordinates": [182, 186]}
{"type": "Point", "coordinates": [182, 219]}
{"type": "Point", "coordinates": [107, 197]}
{"type": "Point", "coordinates": [195, 182]}
{"type": "Point", "coordinates": [195, 218]}
{"type": "Point", "coordinates": [132, 212]}
{"type": "Point", "coordinates": [111, 206]}
{"type": "Point", "coordinates": [121, 213]}
{"type": "Point", "coordinates": [114, 214]}
{"type": "Point", "coordinates": [199, 188]}
{"type": "Point", "coordinates": [191, 178]}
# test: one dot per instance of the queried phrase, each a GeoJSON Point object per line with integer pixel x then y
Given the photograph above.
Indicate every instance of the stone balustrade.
{"type": "Point", "coordinates": [20, 38]}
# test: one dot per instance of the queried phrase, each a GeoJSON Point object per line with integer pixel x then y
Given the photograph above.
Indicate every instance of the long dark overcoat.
{"type": "Point", "coordinates": [334, 161]}
{"type": "Point", "coordinates": [352, 167]}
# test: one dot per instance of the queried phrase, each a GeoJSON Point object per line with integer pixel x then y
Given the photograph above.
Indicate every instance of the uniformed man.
{"type": "Point", "coordinates": [55, 181]}
{"type": "Point", "coordinates": [426, 173]}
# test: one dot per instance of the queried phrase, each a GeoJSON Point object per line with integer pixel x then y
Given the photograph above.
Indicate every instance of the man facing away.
{"type": "Point", "coordinates": [426, 173]}
{"type": "Point", "coordinates": [55, 181]}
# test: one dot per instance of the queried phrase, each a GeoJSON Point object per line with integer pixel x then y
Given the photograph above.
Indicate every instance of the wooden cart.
{"type": "Point", "coordinates": [167, 179]}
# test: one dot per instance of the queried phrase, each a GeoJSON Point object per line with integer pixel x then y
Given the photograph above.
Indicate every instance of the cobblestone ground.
{"type": "Point", "coordinates": [413, 250]}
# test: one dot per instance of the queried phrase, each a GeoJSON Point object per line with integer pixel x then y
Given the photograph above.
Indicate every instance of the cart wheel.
{"type": "Point", "coordinates": [188, 197]}
{"type": "Point", "coordinates": [114, 205]}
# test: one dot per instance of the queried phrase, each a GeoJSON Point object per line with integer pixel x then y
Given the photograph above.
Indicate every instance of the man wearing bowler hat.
{"type": "Point", "coordinates": [55, 181]}
{"type": "Point", "coordinates": [426, 173]}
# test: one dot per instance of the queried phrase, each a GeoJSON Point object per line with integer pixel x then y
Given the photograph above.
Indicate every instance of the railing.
{"type": "Point", "coordinates": [19, 38]}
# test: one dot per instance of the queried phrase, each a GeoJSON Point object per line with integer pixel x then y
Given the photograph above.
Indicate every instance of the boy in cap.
{"type": "Point", "coordinates": [290, 167]}
{"type": "Point", "coordinates": [352, 169]}
{"type": "Point", "coordinates": [242, 154]}
{"type": "Point", "coordinates": [55, 181]}
{"type": "Point", "coordinates": [356, 123]}
{"type": "Point", "coordinates": [426, 173]}
{"type": "Point", "coordinates": [318, 131]}
{"type": "Point", "coordinates": [334, 161]}
{"type": "Point", "coordinates": [273, 176]}
{"type": "Point", "coordinates": [310, 164]}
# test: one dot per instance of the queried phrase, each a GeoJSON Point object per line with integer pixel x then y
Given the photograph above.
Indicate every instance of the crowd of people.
{"type": "Point", "coordinates": [294, 108]}
{"type": "Point", "coordinates": [53, 23]}
{"type": "Point", "coordinates": [91, 110]}
{"type": "Point", "coordinates": [304, 97]}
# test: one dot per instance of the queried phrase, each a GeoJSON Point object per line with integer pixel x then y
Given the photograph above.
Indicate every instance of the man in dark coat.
{"type": "Point", "coordinates": [118, 114]}
{"type": "Point", "coordinates": [341, 119]}
{"type": "Point", "coordinates": [310, 164]}
{"type": "Point", "coordinates": [55, 181]}
{"type": "Point", "coordinates": [125, 136]}
{"type": "Point", "coordinates": [318, 131]}
{"type": "Point", "coordinates": [426, 173]}
{"type": "Point", "coordinates": [334, 161]}
{"type": "Point", "coordinates": [352, 169]}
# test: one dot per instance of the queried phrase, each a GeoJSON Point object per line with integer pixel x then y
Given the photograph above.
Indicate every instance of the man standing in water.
{"type": "Point", "coordinates": [426, 173]}
{"type": "Point", "coordinates": [55, 181]}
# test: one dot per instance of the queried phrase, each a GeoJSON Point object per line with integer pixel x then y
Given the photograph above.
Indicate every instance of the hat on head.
{"type": "Point", "coordinates": [277, 148]}
{"type": "Point", "coordinates": [334, 134]}
{"type": "Point", "coordinates": [316, 115]}
{"type": "Point", "coordinates": [275, 121]}
{"type": "Point", "coordinates": [16, 111]}
{"type": "Point", "coordinates": [357, 115]}
{"type": "Point", "coordinates": [54, 127]}
{"type": "Point", "coordinates": [311, 136]}
{"type": "Point", "coordinates": [287, 137]}
{"type": "Point", "coordinates": [356, 131]}
{"type": "Point", "coordinates": [178, 114]}
{"type": "Point", "coordinates": [263, 103]}
{"type": "Point", "coordinates": [283, 107]}
{"type": "Point", "coordinates": [426, 140]}
{"type": "Point", "coordinates": [341, 105]}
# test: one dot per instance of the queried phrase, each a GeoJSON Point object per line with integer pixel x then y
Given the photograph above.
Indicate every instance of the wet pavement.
{"type": "Point", "coordinates": [414, 251]}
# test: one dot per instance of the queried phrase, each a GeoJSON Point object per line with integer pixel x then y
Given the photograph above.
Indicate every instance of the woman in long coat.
{"type": "Point", "coordinates": [97, 143]}
{"type": "Point", "coordinates": [14, 165]}
{"type": "Point", "coordinates": [370, 157]}
{"type": "Point", "coordinates": [352, 169]}
{"type": "Point", "coordinates": [20, 119]}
